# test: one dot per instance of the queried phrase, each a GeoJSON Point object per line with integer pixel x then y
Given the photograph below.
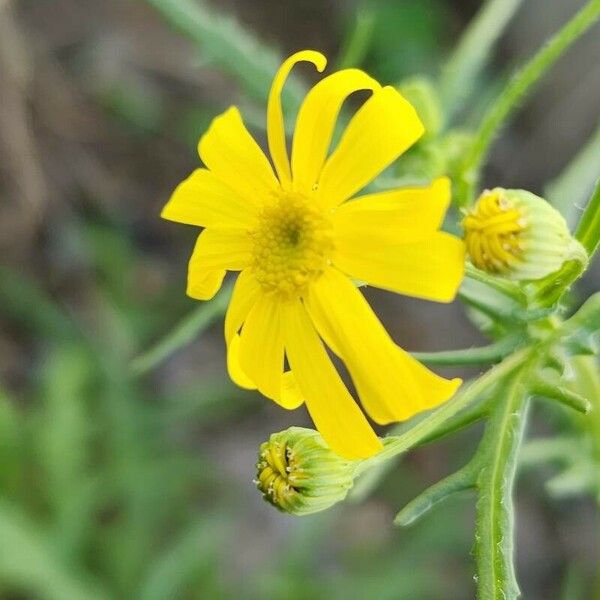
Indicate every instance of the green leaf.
{"type": "Point", "coordinates": [462, 480]}
{"type": "Point", "coordinates": [184, 333]}
{"type": "Point", "coordinates": [561, 394]}
{"type": "Point", "coordinates": [495, 511]}
{"type": "Point", "coordinates": [63, 447]}
{"type": "Point", "coordinates": [28, 563]}
{"type": "Point", "coordinates": [178, 568]}
{"type": "Point", "coordinates": [11, 452]}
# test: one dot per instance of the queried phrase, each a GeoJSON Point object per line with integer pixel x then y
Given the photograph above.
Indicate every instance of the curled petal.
{"type": "Point", "coordinates": [316, 122]}
{"type": "Point", "coordinates": [275, 125]}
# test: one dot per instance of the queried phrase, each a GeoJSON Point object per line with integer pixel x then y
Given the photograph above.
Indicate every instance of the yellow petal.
{"type": "Point", "coordinates": [204, 200]}
{"type": "Point", "coordinates": [245, 293]}
{"type": "Point", "coordinates": [229, 249]}
{"type": "Point", "coordinates": [391, 384]}
{"type": "Point", "coordinates": [383, 128]}
{"type": "Point", "coordinates": [233, 365]}
{"type": "Point", "coordinates": [232, 154]}
{"type": "Point", "coordinates": [291, 396]}
{"type": "Point", "coordinates": [280, 387]}
{"type": "Point", "coordinates": [202, 283]}
{"type": "Point", "coordinates": [261, 347]}
{"type": "Point", "coordinates": [403, 215]}
{"type": "Point", "coordinates": [275, 125]}
{"type": "Point", "coordinates": [316, 122]}
{"type": "Point", "coordinates": [431, 268]}
{"type": "Point", "coordinates": [336, 415]}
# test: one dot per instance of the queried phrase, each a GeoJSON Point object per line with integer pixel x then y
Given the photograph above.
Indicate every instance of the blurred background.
{"type": "Point", "coordinates": [137, 484]}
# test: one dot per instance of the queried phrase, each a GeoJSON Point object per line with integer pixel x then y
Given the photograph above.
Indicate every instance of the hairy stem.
{"type": "Point", "coordinates": [356, 44]}
{"type": "Point", "coordinates": [588, 230]}
{"type": "Point", "coordinates": [522, 83]}
{"type": "Point", "coordinates": [569, 192]}
{"type": "Point", "coordinates": [484, 355]}
{"type": "Point", "coordinates": [472, 52]}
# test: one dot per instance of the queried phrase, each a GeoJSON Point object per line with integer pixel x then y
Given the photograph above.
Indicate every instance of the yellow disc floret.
{"type": "Point", "coordinates": [518, 235]}
{"type": "Point", "coordinates": [291, 245]}
{"type": "Point", "coordinates": [494, 232]}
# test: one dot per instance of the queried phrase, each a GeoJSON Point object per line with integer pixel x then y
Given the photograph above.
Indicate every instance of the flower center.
{"type": "Point", "coordinates": [291, 245]}
{"type": "Point", "coordinates": [277, 473]}
{"type": "Point", "coordinates": [494, 231]}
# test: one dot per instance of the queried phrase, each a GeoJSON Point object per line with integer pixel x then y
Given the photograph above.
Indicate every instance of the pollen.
{"type": "Point", "coordinates": [494, 232]}
{"type": "Point", "coordinates": [291, 245]}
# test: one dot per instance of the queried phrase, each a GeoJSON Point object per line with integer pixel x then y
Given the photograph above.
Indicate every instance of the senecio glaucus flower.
{"type": "Point", "coordinates": [299, 243]}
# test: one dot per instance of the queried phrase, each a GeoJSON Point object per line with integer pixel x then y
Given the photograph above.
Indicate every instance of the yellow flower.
{"type": "Point", "coordinates": [299, 244]}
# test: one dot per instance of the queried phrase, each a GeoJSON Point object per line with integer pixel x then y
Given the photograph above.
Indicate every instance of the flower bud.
{"type": "Point", "coordinates": [299, 474]}
{"type": "Point", "coordinates": [518, 235]}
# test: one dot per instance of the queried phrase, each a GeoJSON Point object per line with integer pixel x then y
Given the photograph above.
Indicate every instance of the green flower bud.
{"type": "Point", "coordinates": [518, 235]}
{"type": "Point", "coordinates": [299, 474]}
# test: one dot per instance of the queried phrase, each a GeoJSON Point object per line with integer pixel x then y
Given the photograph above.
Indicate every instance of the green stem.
{"type": "Point", "coordinates": [495, 512]}
{"type": "Point", "coordinates": [183, 334]}
{"type": "Point", "coordinates": [522, 83]}
{"type": "Point", "coordinates": [356, 45]}
{"type": "Point", "coordinates": [485, 355]}
{"type": "Point", "coordinates": [424, 428]}
{"type": "Point", "coordinates": [472, 52]}
{"type": "Point", "coordinates": [587, 382]}
{"type": "Point", "coordinates": [588, 230]}
{"type": "Point", "coordinates": [568, 192]}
